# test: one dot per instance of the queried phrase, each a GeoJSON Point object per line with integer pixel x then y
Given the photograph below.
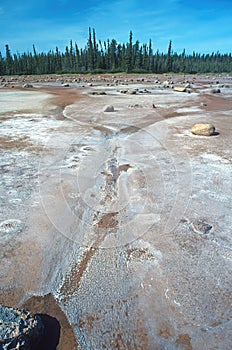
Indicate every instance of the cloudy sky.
{"type": "Point", "coordinates": [196, 25]}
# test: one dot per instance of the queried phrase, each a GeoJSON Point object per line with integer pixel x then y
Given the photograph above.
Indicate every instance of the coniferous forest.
{"type": "Point", "coordinates": [111, 56]}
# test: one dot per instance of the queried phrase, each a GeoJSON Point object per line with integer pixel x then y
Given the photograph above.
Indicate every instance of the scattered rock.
{"type": "Point", "coordinates": [200, 227]}
{"type": "Point", "coordinates": [179, 88]}
{"type": "Point", "coordinates": [65, 85]}
{"type": "Point", "coordinates": [27, 86]}
{"type": "Point", "coordinates": [108, 108]}
{"type": "Point", "coordinates": [131, 92]}
{"type": "Point", "coordinates": [136, 105]}
{"type": "Point", "coordinates": [98, 93]}
{"type": "Point", "coordinates": [215, 91]}
{"type": "Point", "coordinates": [166, 84]}
{"type": "Point", "coordinates": [145, 91]}
{"type": "Point", "coordinates": [203, 104]}
{"type": "Point", "coordinates": [11, 226]}
{"type": "Point", "coordinates": [203, 129]}
{"type": "Point", "coordinates": [19, 329]}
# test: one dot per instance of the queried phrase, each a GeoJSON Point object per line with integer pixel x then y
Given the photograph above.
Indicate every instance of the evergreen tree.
{"type": "Point", "coordinates": [9, 61]}
{"type": "Point", "coordinates": [109, 56]}
{"type": "Point", "coordinates": [169, 58]}
{"type": "Point", "coordinates": [129, 54]}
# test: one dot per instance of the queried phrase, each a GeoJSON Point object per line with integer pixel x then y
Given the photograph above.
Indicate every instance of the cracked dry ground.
{"type": "Point", "coordinates": [113, 208]}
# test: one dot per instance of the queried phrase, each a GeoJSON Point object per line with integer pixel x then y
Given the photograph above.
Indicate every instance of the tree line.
{"type": "Point", "coordinates": [111, 56]}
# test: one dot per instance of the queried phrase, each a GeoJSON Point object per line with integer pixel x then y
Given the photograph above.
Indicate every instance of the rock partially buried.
{"type": "Point", "coordinates": [19, 329]}
{"type": "Point", "coordinates": [11, 226]}
{"type": "Point", "coordinates": [108, 109]}
{"type": "Point", "coordinates": [179, 88]}
{"type": "Point", "coordinates": [98, 93]}
{"type": "Point", "coordinates": [27, 86]}
{"type": "Point", "coordinates": [131, 92]}
{"type": "Point", "coordinates": [201, 226]}
{"type": "Point", "coordinates": [203, 129]}
{"type": "Point", "coordinates": [215, 91]}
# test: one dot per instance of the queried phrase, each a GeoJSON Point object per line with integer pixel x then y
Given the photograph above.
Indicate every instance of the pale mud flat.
{"type": "Point", "coordinates": [124, 217]}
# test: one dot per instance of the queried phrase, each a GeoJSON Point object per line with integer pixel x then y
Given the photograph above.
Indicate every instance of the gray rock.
{"type": "Point", "coordinates": [201, 227]}
{"type": "Point", "coordinates": [98, 93]}
{"type": "Point", "coordinates": [131, 92]}
{"type": "Point", "coordinates": [11, 226]}
{"type": "Point", "coordinates": [19, 330]}
{"type": "Point", "coordinates": [108, 109]}
{"type": "Point", "coordinates": [136, 105]}
{"type": "Point", "coordinates": [215, 91]}
{"type": "Point", "coordinates": [27, 86]}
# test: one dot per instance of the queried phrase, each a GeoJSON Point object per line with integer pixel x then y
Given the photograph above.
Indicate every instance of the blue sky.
{"type": "Point", "coordinates": [196, 25]}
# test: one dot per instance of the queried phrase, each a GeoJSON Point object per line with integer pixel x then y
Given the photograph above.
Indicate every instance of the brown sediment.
{"type": "Point", "coordinates": [11, 296]}
{"type": "Point", "coordinates": [216, 103]}
{"type": "Point", "coordinates": [108, 220]}
{"type": "Point", "coordinates": [184, 340]}
{"type": "Point", "coordinates": [48, 306]}
{"type": "Point", "coordinates": [9, 142]}
{"type": "Point", "coordinates": [72, 281]}
{"type": "Point", "coordinates": [87, 321]}
{"type": "Point", "coordinates": [165, 331]}
{"type": "Point", "coordinates": [129, 129]}
{"type": "Point", "coordinates": [139, 253]}
{"type": "Point", "coordinates": [63, 97]}
{"type": "Point", "coordinates": [124, 167]}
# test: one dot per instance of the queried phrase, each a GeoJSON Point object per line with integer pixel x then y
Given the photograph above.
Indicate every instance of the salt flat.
{"type": "Point", "coordinates": [124, 216]}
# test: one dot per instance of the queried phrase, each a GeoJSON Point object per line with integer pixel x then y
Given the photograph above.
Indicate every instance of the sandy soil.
{"type": "Point", "coordinates": [117, 225]}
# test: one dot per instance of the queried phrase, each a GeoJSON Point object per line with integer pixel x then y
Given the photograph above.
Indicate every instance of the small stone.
{"type": "Point", "coordinates": [179, 89]}
{"type": "Point", "coordinates": [131, 92]}
{"type": "Point", "coordinates": [11, 226]}
{"type": "Point", "coordinates": [166, 84]}
{"type": "Point", "coordinates": [108, 108]}
{"type": "Point", "coordinates": [65, 85]}
{"type": "Point", "coordinates": [215, 91]}
{"type": "Point", "coordinates": [98, 93]}
{"type": "Point", "coordinates": [203, 129]}
{"type": "Point", "coordinates": [27, 86]}
{"type": "Point", "coordinates": [200, 227]}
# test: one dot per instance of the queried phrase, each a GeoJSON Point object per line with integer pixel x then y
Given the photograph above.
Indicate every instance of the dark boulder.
{"type": "Point", "coordinates": [215, 91]}
{"type": "Point", "coordinates": [19, 330]}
